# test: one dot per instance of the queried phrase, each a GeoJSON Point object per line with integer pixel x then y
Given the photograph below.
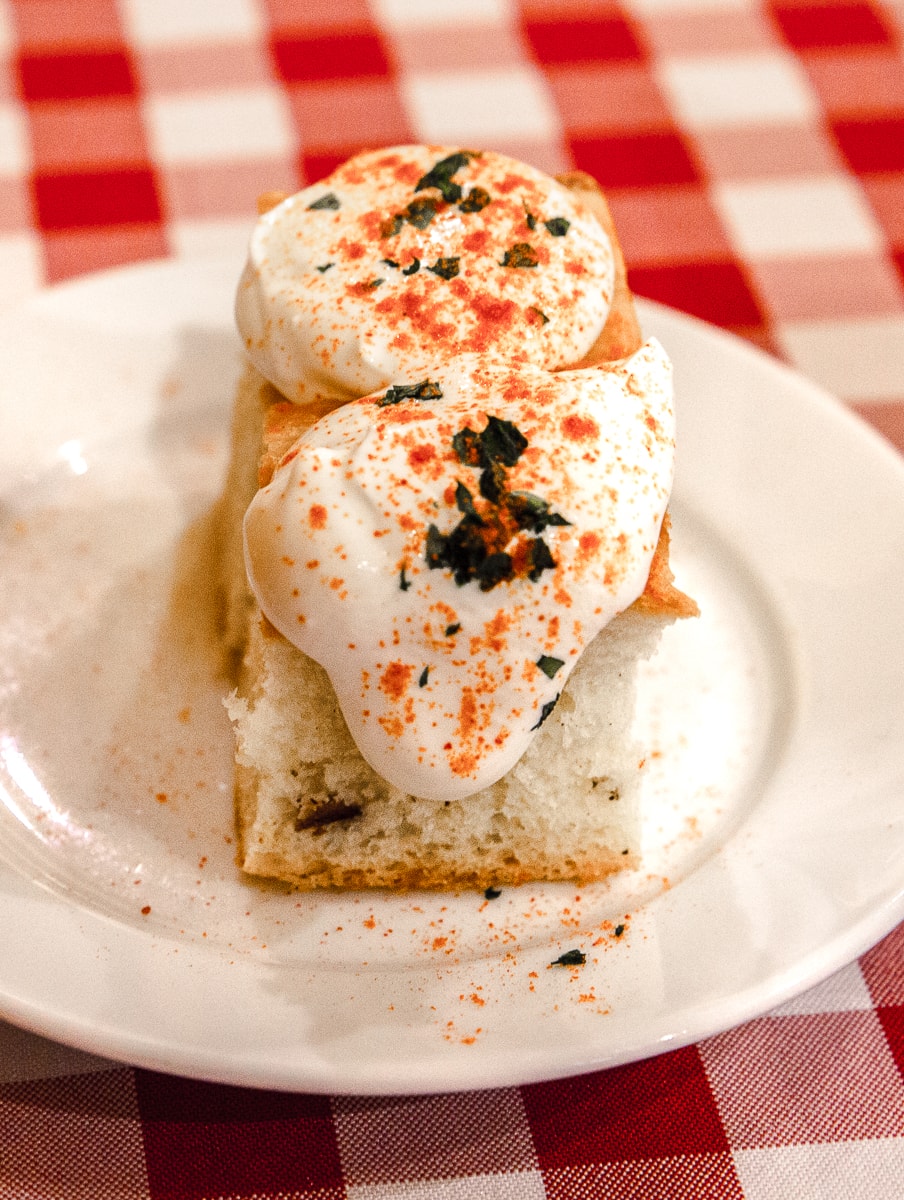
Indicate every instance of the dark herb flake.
{"type": "Point", "coordinates": [550, 666]}
{"type": "Point", "coordinates": [427, 389]}
{"type": "Point", "coordinates": [571, 958]}
{"type": "Point", "coordinates": [420, 213]}
{"type": "Point", "coordinates": [522, 254]}
{"type": "Point", "coordinates": [544, 319]}
{"type": "Point", "coordinates": [530, 218]}
{"type": "Point", "coordinates": [413, 267]}
{"type": "Point", "coordinates": [404, 582]}
{"type": "Point", "coordinates": [618, 930]}
{"type": "Point", "coordinates": [492, 893]}
{"type": "Point", "coordinates": [558, 226]}
{"type": "Point", "coordinates": [329, 201]}
{"type": "Point", "coordinates": [445, 268]}
{"type": "Point", "coordinates": [451, 630]}
{"type": "Point", "coordinates": [545, 711]}
{"type": "Point", "coordinates": [476, 200]}
{"type": "Point", "coordinates": [422, 681]}
{"type": "Point", "coordinates": [440, 175]}
{"type": "Point", "coordinates": [325, 268]}
{"type": "Point", "coordinates": [390, 262]}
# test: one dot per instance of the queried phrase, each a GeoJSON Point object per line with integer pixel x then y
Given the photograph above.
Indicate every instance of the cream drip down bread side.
{"type": "Point", "coordinates": [456, 459]}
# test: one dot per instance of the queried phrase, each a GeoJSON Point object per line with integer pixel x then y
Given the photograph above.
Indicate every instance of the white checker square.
{"type": "Point", "coordinates": [480, 107]}
{"type": "Point", "coordinates": [21, 269]}
{"type": "Point", "coordinates": [155, 23]}
{"type": "Point", "coordinates": [15, 154]}
{"type": "Point", "coordinates": [712, 92]}
{"type": "Point", "coordinates": [415, 14]}
{"type": "Point", "coordinates": [225, 126]}
{"type": "Point", "coordinates": [845, 991]}
{"type": "Point", "coordinates": [521, 1185]}
{"type": "Point", "coordinates": [857, 359]}
{"type": "Point", "coordinates": [797, 216]}
{"type": "Point", "coordinates": [831, 1171]}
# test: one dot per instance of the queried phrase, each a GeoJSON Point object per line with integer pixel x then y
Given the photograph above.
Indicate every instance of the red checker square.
{"type": "Point", "coordinates": [206, 1140]}
{"type": "Point", "coordinates": [643, 160]}
{"type": "Point", "coordinates": [289, 15]}
{"type": "Point", "coordinates": [859, 81]}
{"type": "Point", "coordinates": [715, 291]}
{"type": "Point", "coordinates": [873, 145]}
{"type": "Point", "coordinates": [349, 54]}
{"type": "Point", "coordinates": [69, 252]}
{"type": "Point", "coordinates": [314, 167]}
{"type": "Point", "coordinates": [58, 23]}
{"type": "Point", "coordinates": [807, 27]}
{"type": "Point", "coordinates": [654, 1109]}
{"type": "Point", "coordinates": [826, 1077]}
{"type": "Point", "coordinates": [368, 112]}
{"type": "Point", "coordinates": [76, 76]}
{"type": "Point", "coordinates": [712, 1176]}
{"type": "Point", "coordinates": [92, 198]}
{"type": "Point", "coordinates": [451, 1136]}
{"type": "Point", "coordinates": [604, 38]}
{"type": "Point", "coordinates": [668, 224]}
{"type": "Point", "coordinates": [883, 966]}
{"type": "Point", "coordinates": [82, 134]}
{"type": "Point", "coordinates": [61, 1133]}
{"type": "Point", "coordinates": [611, 99]}
{"type": "Point", "coordinates": [228, 189]}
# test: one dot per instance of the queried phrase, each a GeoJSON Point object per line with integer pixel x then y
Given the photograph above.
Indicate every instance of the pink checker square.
{"type": "Point", "coordinates": [182, 68]}
{"type": "Point", "coordinates": [87, 133]}
{"type": "Point", "coordinates": [617, 98]}
{"type": "Point", "coordinates": [883, 966]}
{"type": "Point", "coordinates": [368, 112]}
{"type": "Point", "coordinates": [888, 418]}
{"type": "Point", "coordinates": [224, 189]}
{"type": "Point", "coordinates": [288, 15]}
{"type": "Point", "coordinates": [853, 82]}
{"type": "Point", "coordinates": [825, 1077]}
{"type": "Point", "coordinates": [766, 152]}
{"type": "Point", "coordinates": [886, 195]}
{"type": "Point", "coordinates": [431, 1137]}
{"type": "Point", "coordinates": [70, 252]}
{"type": "Point", "coordinates": [738, 30]}
{"type": "Point", "coordinates": [546, 154]}
{"type": "Point", "coordinates": [49, 24]}
{"type": "Point", "coordinates": [835, 286]}
{"type": "Point", "coordinates": [473, 46]}
{"type": "Point", "coordinates": [15, 204]}
{"type": "Point", "coordinates": [45, 1127]}
{"type": "Point", "coordinates": [668, 224]}
{"type": "Point", "coordinates": [709, 1175]}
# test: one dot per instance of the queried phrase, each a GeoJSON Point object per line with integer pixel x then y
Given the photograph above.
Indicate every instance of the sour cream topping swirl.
{"type": "Point", "coordinates": [447, 547]}
{"type": "Point", "coordinates": [406, 256]}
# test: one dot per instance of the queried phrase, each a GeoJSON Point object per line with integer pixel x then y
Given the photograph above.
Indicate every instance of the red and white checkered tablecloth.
{"type": "Point", "coordinates": [753, 153]}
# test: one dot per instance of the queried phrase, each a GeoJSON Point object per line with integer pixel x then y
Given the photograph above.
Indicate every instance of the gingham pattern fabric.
{"type": "Point", "coordinates": [753, 154]}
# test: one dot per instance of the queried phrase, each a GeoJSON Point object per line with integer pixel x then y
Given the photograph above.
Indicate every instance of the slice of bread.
{"type": "Point", "coordinates": [311, 811]}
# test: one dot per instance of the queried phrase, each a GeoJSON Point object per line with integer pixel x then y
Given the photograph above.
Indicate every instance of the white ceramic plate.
{"type": "Point", "coordinates": [774, 823]}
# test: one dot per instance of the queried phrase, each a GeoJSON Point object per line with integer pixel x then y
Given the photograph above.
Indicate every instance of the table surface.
{"type": "Point", "coordinates": [753, 154]}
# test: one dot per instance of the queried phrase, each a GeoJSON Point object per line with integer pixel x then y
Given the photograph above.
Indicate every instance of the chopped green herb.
{"type": "Point", "coordinates": [371, 285]}
{"type": "Point", "coordinates": [445, 268]}
{"type": "Point", "coordinates": [545, 711]}
{"type": "Point", "coordinates": [540, 313]}
{"type": "Point", "coordinates": [440, 175]}
{"type": "Point", "coordinates": [550, 666]}
{"type": "Point", "coordinates": [413, 267]}
{"type": "Point", "coordinates": [492, 893]}
{"type": "Point", "coordinates": [502, 442]}
{"type": "Point", "coordinates": [522, 254]}
{"type": "Point", "coordinates": [451, 630]}
{"type": "Point", "coordinates": [529, 218]}
{"type": "Point", "coordinates": [392, 225]}
{"type": "Point", "coordinates": [325, 267]}
{"type": "Point", "coordinates": [420, 213]}
{"type": "Point", "coordinates": [422, 681]}
{"type": "Point", "coordinates": [427, 389]}
{"type": "Point", "coordinates": [330, 201]}
{"type": "Point", "coordinates": [558, 226]}
{"type": "Point", "coordinates": [571, 958]}
{"type": "Point", "coordinates": [389, 262]}
{"type": "Point", "coordinates": [404, 582]}
{"type": "Point", "coordinates": [532, 512]}
{"type": "Point", "coordinates": [624, 851]}
{"type": "Point", "coordinates": [618, 930]}
{"type": "Point", "coordinates": [539, 559]}
{"type": "Point", "coordinates": [464, 501]}
{"type": "Point", "coordinates": [476, 200]}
